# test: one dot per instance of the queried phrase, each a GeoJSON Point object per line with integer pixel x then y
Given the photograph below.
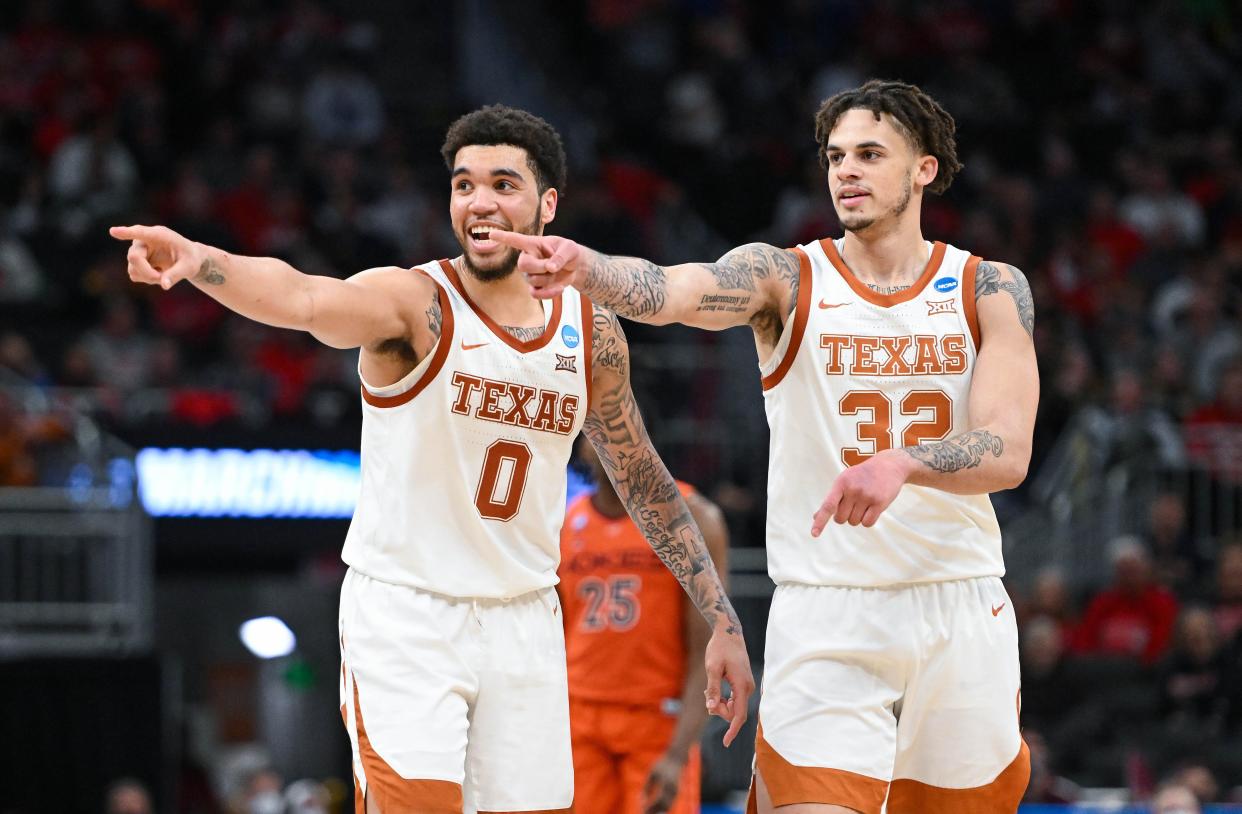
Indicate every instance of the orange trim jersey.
{"type": "Point", "coordinates": [624, 611]}
{"type": "Point", "coordinates": [463, 460]}
{"type": "Point", "coordinates": [856, 372]}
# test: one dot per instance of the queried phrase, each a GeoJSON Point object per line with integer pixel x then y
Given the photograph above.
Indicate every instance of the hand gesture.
{"type": "Point", "coordinates": [863, 491]}
{"type": "Point", "coordinates": [159, 256]}
{"type": "Point", "coordinates": [726, 660]}
{"type": "Point", "coordinates": [660, 790]}
{"type": "Point", "coordinates": [550, 263]}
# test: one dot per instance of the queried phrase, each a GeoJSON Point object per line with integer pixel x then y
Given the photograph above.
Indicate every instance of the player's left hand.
{"type": "Point", "coordinates": [726, 660]}
{"type": "Point", "coordinates": [662, 784]}
{"type": "Point", "coordinates": [861, 493]}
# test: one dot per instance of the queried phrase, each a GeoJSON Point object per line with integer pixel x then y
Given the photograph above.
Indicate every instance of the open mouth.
{"type": "Point", "coordinates": [480, 237]}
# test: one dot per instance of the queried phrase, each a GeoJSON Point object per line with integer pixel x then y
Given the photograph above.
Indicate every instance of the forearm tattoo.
{"type": "Point", "coordinates": [965, 451]}
{"type": "Point", "coordinates": [210, 273]}
{"type": "Point", "coordinates": [638, 289]}
{"type": "Point", "coordinates": [615, 428]}
{"type": "Point", "coordinates": [988, 280]}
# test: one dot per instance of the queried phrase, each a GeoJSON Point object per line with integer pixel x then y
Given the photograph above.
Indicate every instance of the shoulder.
{"type": "Point", "coordinates": [763, 261]}
{"type": "Point", "coordinates": [994, 278]}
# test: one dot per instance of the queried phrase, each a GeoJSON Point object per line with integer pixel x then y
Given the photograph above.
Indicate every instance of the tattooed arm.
{"type": "Point", "coordinates": [1004, 393]}
{"type": "Point", "coordinates": [388, 311]}
{"type": "Point", "coordinates": [616, 430]}
{"type": "Point", "coordinates": [994, 453]}
{"type": "Point", "coordinates": [754, 285]}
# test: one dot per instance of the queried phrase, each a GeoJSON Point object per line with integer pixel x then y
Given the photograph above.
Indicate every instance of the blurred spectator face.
{"type": "Point", "coordinates": [1131, 565]}
{"type": "Point", "coordinates": [1049, 594]}
{"type": "Point", "coordinates": [307, 797]}
{"type": "Point", "coordinates": [481, 198]}
{"type": "Point", "coordinates": [77, 369]}
{"type": "Point", "coordinates": [870, 184]}
{"type": "Point", "coordinates": [1199, 780]}
{"type": "Point", "coordinates": [1127, 392]}
{"type": "Point", "coordinates": [120, 319]}
{"type": "Point", "coordinates": [129, 797]}
{"type": "Point", "coordinates": [263, 794]}
{"type": "Point", "coordinates": [1229, 391]}
{"type": "Point", "coordinates": [1166, 518]}
{"type": "Point", "coordinates": [1041, 645]}
{"type": "Point", "coordinates": [1229, 573]}
{"type": "Point", "coordinates": [1175, 800]}
{"type": "Point", "coordinates": [1198, 634]}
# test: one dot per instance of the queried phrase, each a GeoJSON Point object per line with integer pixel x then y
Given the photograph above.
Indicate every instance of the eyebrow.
{"type": "Point", "coordinates": [499, 172]}
{"type": "Point", "coordinates": [861, 146]}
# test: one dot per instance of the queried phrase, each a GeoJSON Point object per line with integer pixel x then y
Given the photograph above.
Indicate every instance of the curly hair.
{"type": "Point", "coordinates": [500, 124]}
{"type": "Point", "coordinates": [920, 118]}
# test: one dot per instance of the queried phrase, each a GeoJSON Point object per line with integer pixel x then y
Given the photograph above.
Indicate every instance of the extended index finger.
{"type": "Point", "coordinates": [516, 240]}
{"type": "Point", "coordinates": [828, 508]}
{"type": "Point", "coordinates": [131, 232]}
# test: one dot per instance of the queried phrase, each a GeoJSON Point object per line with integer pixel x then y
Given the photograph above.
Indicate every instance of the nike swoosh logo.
{"type": "Point", "coordinates": [996, 609]}
{"type": "Point", "coordinates": [823, 304]}
{"type": "Point", "coordinates": [464, 346]}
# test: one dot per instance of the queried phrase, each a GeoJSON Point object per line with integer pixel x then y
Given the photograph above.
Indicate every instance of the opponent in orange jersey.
{"type": "Point", "coordinates": [635, 651]}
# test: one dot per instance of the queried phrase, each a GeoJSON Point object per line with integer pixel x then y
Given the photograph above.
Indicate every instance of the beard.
{"type": "Point", "coordinates": [502, 265]}
{"type": "Point", "coordinates": [862, 224]}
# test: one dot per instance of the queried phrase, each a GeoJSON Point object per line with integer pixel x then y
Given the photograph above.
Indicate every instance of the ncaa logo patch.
{"type": "Point", "coordinates": [945, 284]}
{"type": "Point", "coordinates": [569, 335]}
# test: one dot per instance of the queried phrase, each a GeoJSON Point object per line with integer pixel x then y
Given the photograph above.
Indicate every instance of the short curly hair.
{"type": "Point", "coordinates": [920, 118]}
{"type": "Point", "coordinates": [500, 124]}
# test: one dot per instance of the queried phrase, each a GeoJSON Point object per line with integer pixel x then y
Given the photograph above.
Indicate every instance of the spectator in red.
{"type": "Point", "coordinates": [1132, 617]}
{"type": "Point", "coordinates": [1214, 431]}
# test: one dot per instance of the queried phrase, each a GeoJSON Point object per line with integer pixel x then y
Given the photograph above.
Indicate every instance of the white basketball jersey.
{"type": "Point", "coordinates": [464, 459]}
{"type": "Point", "coordinates": [856, 372]}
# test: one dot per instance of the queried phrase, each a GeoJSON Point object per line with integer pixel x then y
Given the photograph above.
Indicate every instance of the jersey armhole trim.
{"type": "Point", "coordinates": [438, 355]}
{"type": "Point", "coordinates": [588, 341]}
{"type": "Point", "coordinates": [801, 314]}
{"type": "Point", "coordinates": [969, 302]}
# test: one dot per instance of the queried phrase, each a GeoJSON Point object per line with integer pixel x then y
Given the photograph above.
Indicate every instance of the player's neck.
{"type": "Point", "coordinates": [893, 258]}
{"type": "Point", "coordinates": [606, 502]}
{"type": "Point", "coordinates": [507, 301]}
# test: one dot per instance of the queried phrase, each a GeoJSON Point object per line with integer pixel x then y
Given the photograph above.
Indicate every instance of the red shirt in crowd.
{"type": "Point", "coordinates": [1138, 625]}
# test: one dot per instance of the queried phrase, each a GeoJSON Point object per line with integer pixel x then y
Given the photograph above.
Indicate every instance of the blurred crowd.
{"type": "Point", "coordinates": [1095, 160]}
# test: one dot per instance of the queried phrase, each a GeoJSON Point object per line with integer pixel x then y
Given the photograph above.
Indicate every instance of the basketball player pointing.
{"type": "Point", "coordinates": [453, 684]}
{"type": "Point", "coordinates": [900, 383]}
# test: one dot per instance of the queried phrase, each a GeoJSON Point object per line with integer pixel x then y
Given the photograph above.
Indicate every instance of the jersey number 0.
{"type": "Point", "coordinates": [503, 480]}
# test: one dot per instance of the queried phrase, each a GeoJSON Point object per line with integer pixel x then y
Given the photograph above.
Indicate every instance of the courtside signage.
{"type": "Point", "coordinates": [283, 483]}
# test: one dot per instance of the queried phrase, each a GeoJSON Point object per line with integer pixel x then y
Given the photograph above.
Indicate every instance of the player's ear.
{"type": "Point", "coordinates": [926, 170]}
{"type": "Point", "coordinates": [547, 205]}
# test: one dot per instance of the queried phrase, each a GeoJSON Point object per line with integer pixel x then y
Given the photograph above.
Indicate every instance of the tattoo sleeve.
{"type": "Point", "coordinates": [639, 289]}
{"type": "Point", "coordinates": [989, 280]}
{"type": "Point", "coordinates": [965, 451]}
{"type": "Point", "coordinates": [210, 273]}
{"type": "Point", "coordinates": [615, 428]}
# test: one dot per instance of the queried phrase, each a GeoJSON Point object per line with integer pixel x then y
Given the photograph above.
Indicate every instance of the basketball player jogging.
{"type": "Point", "coordinates": [453, 685]}
{"type": "Point", "coordinates": [900, 384]}
{"type": "Point", "coordinates": [634, 645]}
